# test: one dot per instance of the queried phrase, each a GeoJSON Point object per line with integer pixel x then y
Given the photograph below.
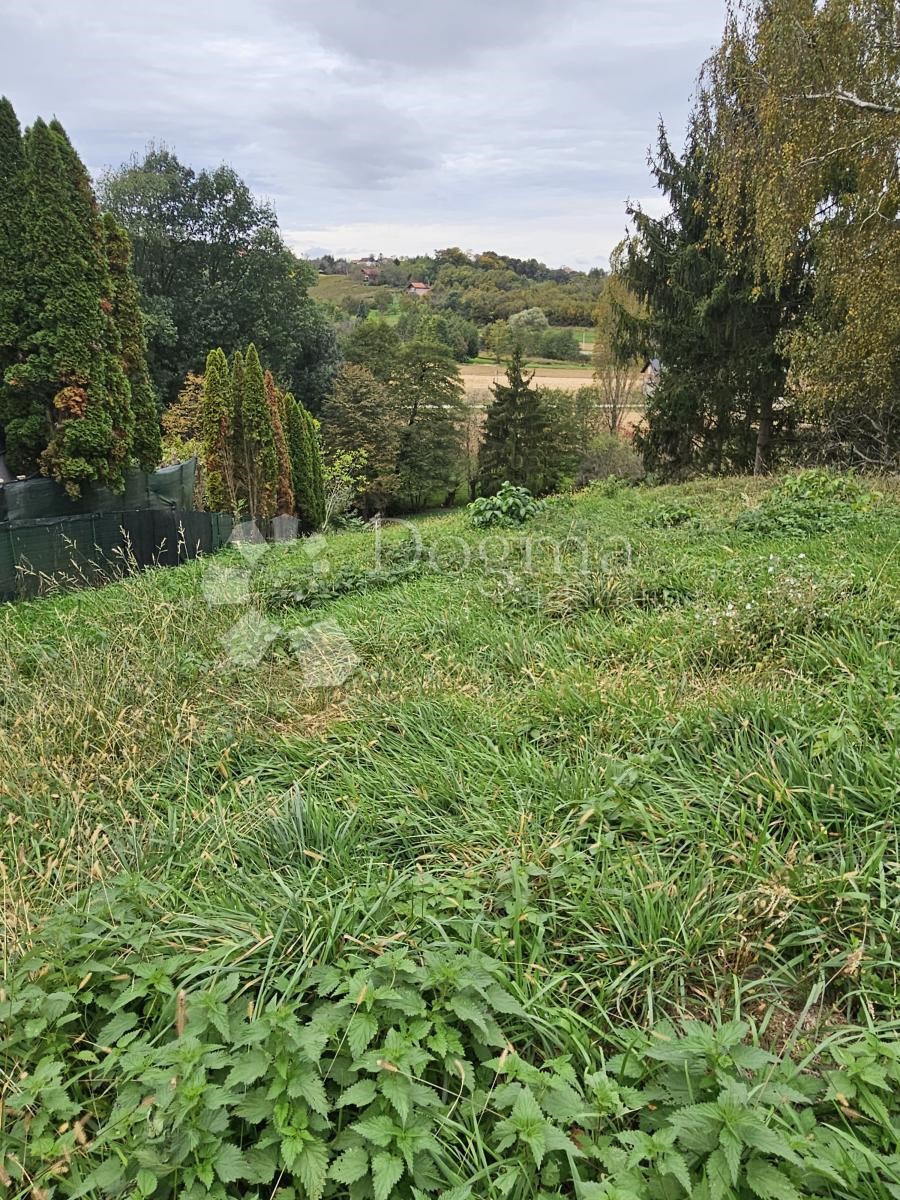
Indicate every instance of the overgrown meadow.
{"type": "Point", "coordinates": [584, 882]}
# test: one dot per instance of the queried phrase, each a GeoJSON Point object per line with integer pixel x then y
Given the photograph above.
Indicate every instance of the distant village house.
{"type": "Point", "coordinates": [650, 374]}
{"type": "Point", "coordinates": [415, 288]}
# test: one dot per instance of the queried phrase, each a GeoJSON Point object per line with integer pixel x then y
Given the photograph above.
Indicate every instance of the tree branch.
{"type": "Point", "coordinates": [857, 101]}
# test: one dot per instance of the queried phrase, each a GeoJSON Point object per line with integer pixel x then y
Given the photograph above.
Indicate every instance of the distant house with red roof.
{"type": "Point", "coordinates": [416, 288]}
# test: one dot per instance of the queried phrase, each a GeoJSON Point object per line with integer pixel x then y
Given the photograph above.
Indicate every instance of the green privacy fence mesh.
{"type": "Point", "coordinates": [94, 547]}
{"type": "Point", "coordinates": [34, 499]}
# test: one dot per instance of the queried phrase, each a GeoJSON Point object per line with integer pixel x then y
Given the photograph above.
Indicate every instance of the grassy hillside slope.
{"type": "Point", "coordinates": [641, 760]}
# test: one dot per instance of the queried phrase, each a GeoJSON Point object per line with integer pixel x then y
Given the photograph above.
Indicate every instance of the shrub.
{"type": "Point", "coordinates": [395, 1076]}
{"type": "Point", "coordinates": [814, 501]}
{"type": "Point", "coordinates": [671, 515]}
{"type": "Point", "coordinates": [610, 455]}
{"type": "Point", "coordinates": [509, 507]}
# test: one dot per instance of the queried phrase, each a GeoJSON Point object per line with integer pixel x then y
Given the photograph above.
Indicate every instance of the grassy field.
{"type": "Point", "coordinates": [482, 372]}
{"type": "Point", "coordinates": [385, 879]}
{"type": "Point", "coordinates": [335, 288]}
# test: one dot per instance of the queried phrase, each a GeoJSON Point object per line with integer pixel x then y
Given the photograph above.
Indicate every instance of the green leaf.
{"type": "Point", "coordinates": [387, 1170]}
{"type": "Point", "coordinates": [718, 1176]}
{"type": "Point", "coordinates": [146, 1182]}
{"type": "Point", "coordinates": [359, 1094]}
{"type": "Point", "coordinates": [360, 1031]}
{"type": "Point", "coordinates": [470, 1010]}
{"type": "Point", "coordinates": [229, 1163]}
{"type": "Point", "coordinates": [396, 1090]}
{"type": "Point", "coordinates": [351, 1165]}
{"type": "Point", "coordinates": [768, 1182]}
{"type": "Point", "coordinates": [249, 1067]}
{"type": "Point", "coordinates": [730, 1146]}
{"type": "Point", "coordinates": [312, 1165]}
{"type": "Point", "coordinates": [306, 1083]}
{"type": "Point", "coordinates": [672, 1163]}
{"type": "Point", "coordinates": [114, 1029]}
{"type": "Point", "coordinates": [379, 1130]}
{"type": "Point", "coordinates": [755, 1133]}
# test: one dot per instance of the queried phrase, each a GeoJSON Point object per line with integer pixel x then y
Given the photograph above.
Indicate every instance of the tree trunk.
{"type": "Point", "coordinates": [763, 437]}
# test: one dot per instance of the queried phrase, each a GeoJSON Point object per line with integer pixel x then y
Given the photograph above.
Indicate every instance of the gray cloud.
{"type": "Point", "coordinates": [401, 125]}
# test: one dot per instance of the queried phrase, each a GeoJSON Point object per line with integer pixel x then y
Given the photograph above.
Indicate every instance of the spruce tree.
{"type": "Point", "coordinates": [12, 264]}
{"type": "Point", "coordinates": [260, 454]}
{"type": "Point", "coordinates": [712, 322]}
{"type": "Point", "coordinates": [216, 408]}
{"type": "Point", "coordinates": [300, 450]}
{"type": "Point", "coordinates": [284, 496]}
{"type": "Point", "coordinates": [146, 447]}
{"type": "Point", "coordinates": [515, 434]}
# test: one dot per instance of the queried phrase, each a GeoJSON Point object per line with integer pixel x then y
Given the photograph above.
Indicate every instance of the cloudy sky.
{"type": "Point", "coordinates": [380, 125]}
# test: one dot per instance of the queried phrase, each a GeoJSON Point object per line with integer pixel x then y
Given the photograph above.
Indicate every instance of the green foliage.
{"type": "Point", "coordinates": [633, 773]}
{"type": "Point", "coordinates": [508, 507]}
{"type": "Point", "coordinates": [213, 270]}
{"type": "Point", "coordinates": [146, 445]}
{"type": "Point", "coordinates": [217, 431]}
{"type": "Point", "coordinates": [284, 497]}
{"type": "Point", "coordinates": [813, 501]}
{"type": "Point", "coordinates": [671, 515]}
{"type": "Point", "coordinates": [516, 434]}
{"type": "Point", "coordinates": [609, 456]}
{"type": "Point", "coordinates": [419, 321]}
{"type": "Point", "coordinates": [713, 324]}
{"type": "Point", "coordinates": [300, 451]}
{"type": "Point", "coordinates": [75, 398]}
{"type": "Point", "coordinates": [12, 276]}
{"type": "Point", "coordinates": [372, 1074]}
{"type": "Point", "coordinates": [317, 474]}
{"type": "Point", "coordinates": [560, 344]}
{"type": "Point", "coordinates": [429, 394]}
{"type": "Point", "coordinates": [374, 345]}
{"type": "Point", "coordinates": [807, 107]}
{"type": "Point", "coordinates": [260, 462]}
{"type": "Point", "coordinates": [358, 417]}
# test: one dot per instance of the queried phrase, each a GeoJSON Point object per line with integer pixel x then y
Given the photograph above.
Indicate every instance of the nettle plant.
{"type": "Point", "coordinates": [392, 1074]}
{"type": "Point", "coordinates": [813, 501]}
{"type": "Point", "coordinates": [509, 507]}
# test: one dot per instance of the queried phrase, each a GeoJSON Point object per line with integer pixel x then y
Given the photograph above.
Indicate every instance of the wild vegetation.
{"type": "Point", "coordinates": [75, 398]}
{"type": "Point", "coordinates": [769, 289]}
{"type": "Point", "coordinates": [582, 883]}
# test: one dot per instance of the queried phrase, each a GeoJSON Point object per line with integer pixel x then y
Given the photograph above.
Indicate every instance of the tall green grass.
{"type": "Point", "coordinates": [653, 780]}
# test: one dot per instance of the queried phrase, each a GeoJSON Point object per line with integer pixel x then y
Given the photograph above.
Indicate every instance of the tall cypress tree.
{"type": "Point", "coordinates": [284, 495]}
{"type": "Point", "coordinates": [260, 454]}
{"type": "Point", "coordinates": [146, 445]}
{"type": "Point", "coordinates": [318, 477]}
{"type": "Point", "coordinates": [216, 409]}
{"type": "Point", "coordinates": [300, 451]}
{"type": "Point", "coordinates": [515, 434]}
{"type": "Point", "coordinates": [68, 387]}
{"type": "Point", "coordinates": [12, 265]}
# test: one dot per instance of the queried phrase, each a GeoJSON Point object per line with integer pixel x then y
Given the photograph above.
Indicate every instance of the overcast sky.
{"type": "Point", "coordinates": [380, 125]}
